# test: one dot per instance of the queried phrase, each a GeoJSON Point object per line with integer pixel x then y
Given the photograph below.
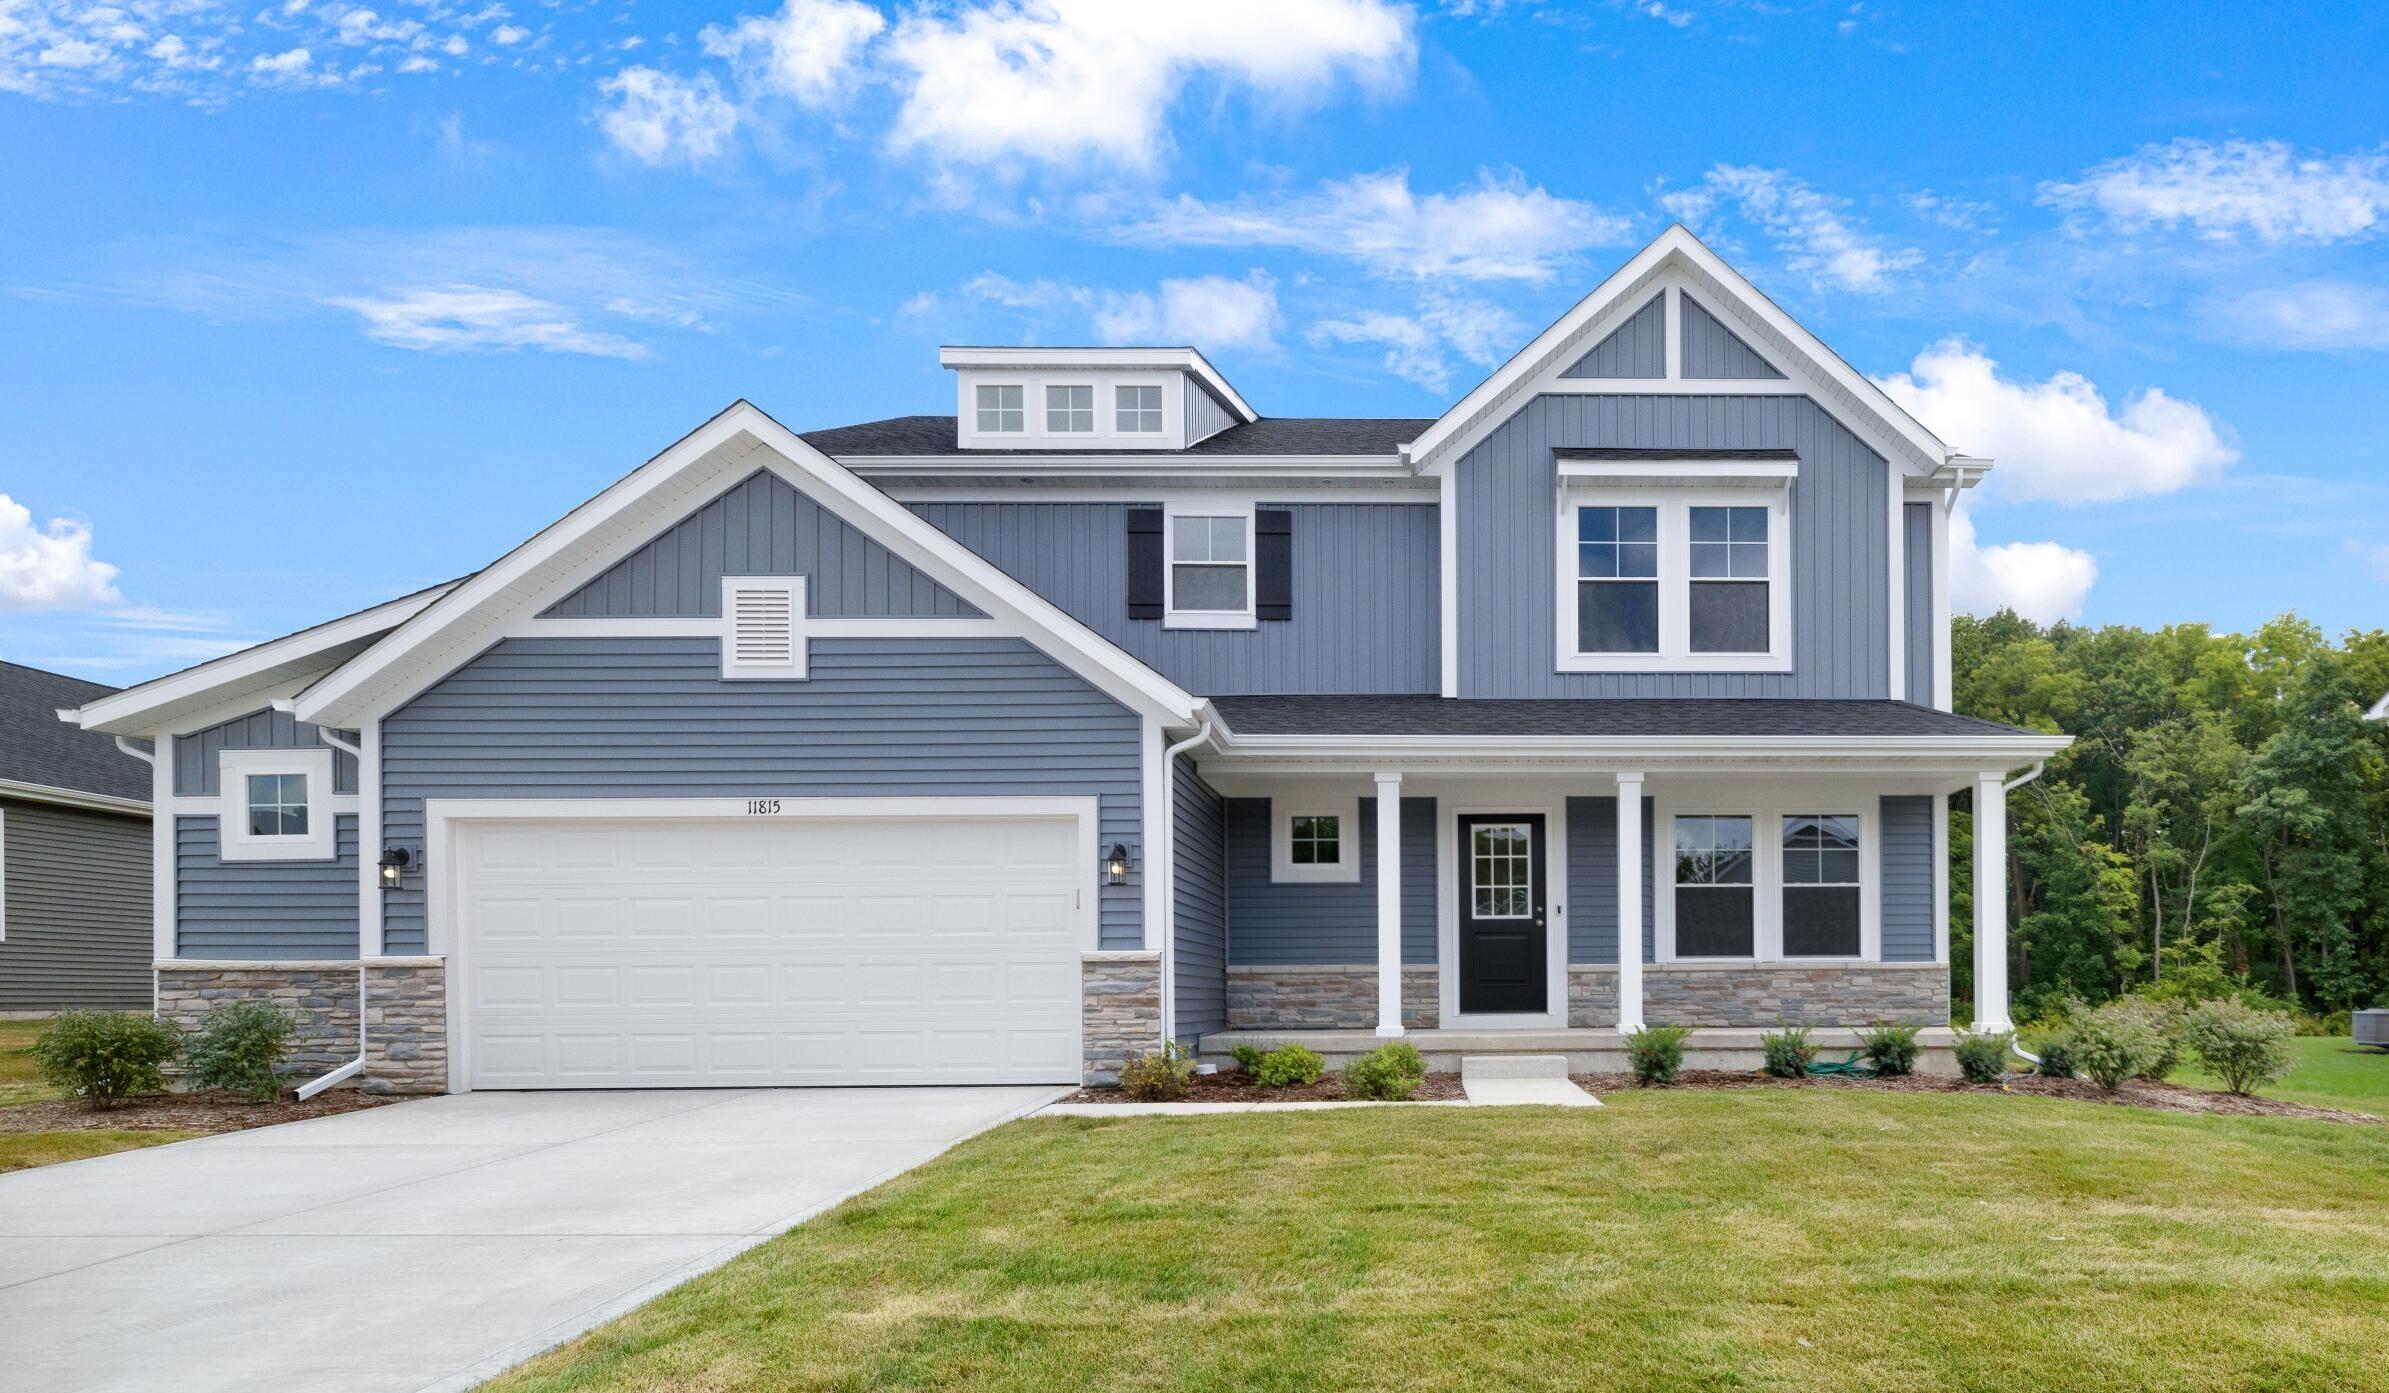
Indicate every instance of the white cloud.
{"type": "Point", "coordinates": [1209, 312]}
{"type": "Point", "coordinates": [1501, 229]}
{"type": "Point", "coordinates": [1066, 83]}
{"type": "Point", "coordinates": [662, 118]}
{"type": "Point", "coordinates": [806, 51]}
{"type": "Point", "coordinates": [508, 35]}
{"type": "Point", "coordinates": [1419, 347]}
{"type": "Point", "coordinates": [2225, 190]}
{"type": "Point", "coordinates": [290, 68]}
{"type": "Point", "coordinates": [50, 566]}
{"type": "Point", "coordinates": [2042, 581]}
{"type": "Point", "coordinates": [2327, 315]}
{"type": "Point", "coordinates": [1811, 229]}
{"type": "Point", "coordinates": [465, 318]}
{"type": "Point", "coordinates": [2058, 439]}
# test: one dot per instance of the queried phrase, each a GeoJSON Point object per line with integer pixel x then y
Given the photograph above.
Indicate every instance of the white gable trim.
{"type": "Point", "coordinates": [2379, 711]}
{"type": "Point", "coordinates": [600, 532]}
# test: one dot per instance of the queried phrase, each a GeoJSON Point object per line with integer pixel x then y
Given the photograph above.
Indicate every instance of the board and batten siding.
{"type": "Point", "coordinates": [263, 909]}
{"type": "Point", "coordinates": [1274, 925]}
{"type": "Point", "coordinates": [1916, 523]}
{"type": "Point", "coordinates": [76, 885]}
{"type": "Point", "coordinates": [1907, 840]}
{"type": "Point", "coordinates": [1507, 531]}
{"type": "Point", "coordinates": [1199, 904]}
{"type": "Point", "coordinates": [652, 718]}
{"type": "Point", "coordinates": [762, 526]}
{"type": "Point", "coordinates": [1593, 880]}
{"type": "Point", "coordinates": [1712, 350]}
{"type": "Point", "coordinates": [197, 756]}
{"type": "Point", "coordinates": [1206, 415]}
{"type": "Point", "coordinates": [1366, 610]}
{"type": "Point", "coordinates": [1636, 348]}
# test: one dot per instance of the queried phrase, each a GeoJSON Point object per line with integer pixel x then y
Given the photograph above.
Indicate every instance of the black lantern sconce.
{"type": "Point", "coordinates": [394, 862]}
{"type": "Point", "coordinates": [1115, 865]}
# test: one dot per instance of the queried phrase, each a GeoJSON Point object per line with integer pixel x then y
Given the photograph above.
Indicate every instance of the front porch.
{"type": "Point", "coordinates": [1587, 1050]}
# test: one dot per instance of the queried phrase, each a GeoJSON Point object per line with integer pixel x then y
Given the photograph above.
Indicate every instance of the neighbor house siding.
{"type": "Point", "coordinates": [76, 886]}
{"type": "Point", "coordinates": [1274, 925]}
{"type": "Point", "coordinates": [263, 909]}
{"type": "Point", "coordinates": [1712, 350]}
{"type": "Point", "coordinates": [1636, 348]}
{"type": "Point", "coordinates": [1593, 880]}
{"type": "Point", "coordinates": [197, 755]}
{"type": "Point", "coordinates": [1908, 930]}
{"type": "Point", "coordinates": [762, 526]}
{"type": "Point", "coordinates": [1507, 530]}
{"type": "Point", "coordinates": [1206, 415]}
{"type": "Point", "coordinates": [652, 718]}
{"type": "Point", "coordinates": [1917, 526]}
{"type": "Point", "coordinates": [1199, 905]}
{"type": "Point", "coordinates": [1366, 612]}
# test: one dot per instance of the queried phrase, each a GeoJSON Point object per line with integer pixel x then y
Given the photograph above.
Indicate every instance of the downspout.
{"type": "Point", "coordinates": [1169, 899]}
{"type": "Point", "coordinates": [356, 1066]}
{"type": "Point", "coordinates": [2014, 1046]}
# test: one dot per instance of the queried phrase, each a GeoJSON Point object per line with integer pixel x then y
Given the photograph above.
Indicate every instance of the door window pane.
{"type": "Point", "coordinates": [1500, 858]}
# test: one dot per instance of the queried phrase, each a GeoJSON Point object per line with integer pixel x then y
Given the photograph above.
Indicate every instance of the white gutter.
{"type": "Point", "coordinates": [355, 1066]}
{"type": "Point", "coordinates": [1169, 898]}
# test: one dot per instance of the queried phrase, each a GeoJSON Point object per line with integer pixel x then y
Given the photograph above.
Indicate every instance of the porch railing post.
{"type": "Point", "coordinates": [1990, 903]}
{"type": "Point", "coordinates": [1389, 903]}
{"type": "Point", "coordinates": [1629, 902]}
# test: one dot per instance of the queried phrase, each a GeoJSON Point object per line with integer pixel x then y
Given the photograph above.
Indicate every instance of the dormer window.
{"type": "Point", "coordinates": [1002, 410]}
{"type": "Point", "coordinates": [1070, 410]}
{"type": "Point", "coordinates": [1139, 410]}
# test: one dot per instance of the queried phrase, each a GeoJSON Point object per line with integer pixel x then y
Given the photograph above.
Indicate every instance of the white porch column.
{"type": "Point", "coordinates": [1629, 902]}
{"type": "Point", "coordinates": [1389, 903]}
{"type": "Point", "coordinates": [1990, 903]}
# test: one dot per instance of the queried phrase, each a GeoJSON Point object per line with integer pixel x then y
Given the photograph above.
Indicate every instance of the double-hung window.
{"type": "Point", "coordinates": [1770, 881]}
{"type": "Point", "coordinates": [1002, 409]}
{"type": "Point", "coordinates": [1070, 410]}
{"type": "Point", "coordinates": [1821, 886]}
{"type": "Point", "coordinates": [1617, 580]}
{"type": "Point", "coordinates": [1716, 894]}
{"type": "Point", "coordinates": [1691, 580]}
{"type": "Point", "coordinates": [1727, 599]}
{"type": "Point", "coordinates": [1137, 410]}
{"type": "Point", "coordinates": [1210, 574]}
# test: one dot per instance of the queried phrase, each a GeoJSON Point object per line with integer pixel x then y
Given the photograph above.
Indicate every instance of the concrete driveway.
{"type": "Point", "coordinates": [430, 1244]}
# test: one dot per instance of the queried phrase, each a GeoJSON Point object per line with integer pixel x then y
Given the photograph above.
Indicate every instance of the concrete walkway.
{"type": "Point", "coordinates": [426, 1245]}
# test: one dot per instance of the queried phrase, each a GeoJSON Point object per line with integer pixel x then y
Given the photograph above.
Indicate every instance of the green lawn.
{"type": "Point", "coordinates": [19, 1081]}
{"type": "Point", "coordinates": [1672, 1240]}
{"type": "Point", "coordinates": [2332, 1072]}
{"type": "Point", "coordinates": [24, 1150]}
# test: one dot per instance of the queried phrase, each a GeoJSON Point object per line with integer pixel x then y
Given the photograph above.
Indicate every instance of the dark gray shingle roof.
{"type": "Point", "coordinates": [1433, 715]}
{"type": "Point", "coordinates": [1271, 435]}
{"type": "Point", "coordinates": [38, 748]}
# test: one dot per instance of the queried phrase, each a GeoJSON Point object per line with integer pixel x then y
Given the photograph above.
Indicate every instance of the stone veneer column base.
{"type": "Point", "coordinates": [1327, 997]}
{"type": "Point", "coordinates": [1120, 1010]}
{"type": "Point", "coordinates": [321, 995]}
{"type": "Point", "coordinates": [1767, 994]}
{"type": "Point", "coordinates": [406, 1025]}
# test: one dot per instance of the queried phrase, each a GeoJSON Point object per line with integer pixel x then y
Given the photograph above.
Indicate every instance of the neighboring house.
{"type": "Point", "coordinates": [74, 855]}
{"type": "Point", "coordinates": [2379, 711]}
{"type": "Point", "coordinates": [999, 746]}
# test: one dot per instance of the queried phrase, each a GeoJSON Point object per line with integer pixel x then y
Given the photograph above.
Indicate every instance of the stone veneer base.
{"type": "Point", "coordinates": [1120, 1011]}
{"type": "Point", "coordinates": [406, 1013]}
{"type": "Point", "coordinates": [1767, 995]}
{"type": "Point", "coordinates": [1326, 997]}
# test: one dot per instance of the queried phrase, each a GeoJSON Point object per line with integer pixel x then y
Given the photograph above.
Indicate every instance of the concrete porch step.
{"type": "Point", "coordinates": [1513, 1066]}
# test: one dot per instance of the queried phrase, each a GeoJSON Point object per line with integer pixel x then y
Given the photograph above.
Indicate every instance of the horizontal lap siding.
{"type": "Point", "coordinates": [763, 527]}
{"type": "Point", "coordinates": [1593, 879]}
{"type": "Point", "coordinates": [1922, 670]}
{"type": "Point", "coordinates": [1908, 930]}
{"type": "Point", "coordinates": [1274, 925]}
{"type": "Point", "coordinates": [196, 771]}
{"type": "Point", "coordinates": [651, 718]}
{"type": "Point", "coordinates": [1199, 911]}
{"type": "Point", "coordinates": [1636, 348]}
{"type": "Point", "coordinates": [1366, 608]}
{"type": "Point", "coordinates": [77, 890]}
{"type": "Point", "coordinates": [263, 909]}
{"type": "Point", "coordinates": [1507, 532]}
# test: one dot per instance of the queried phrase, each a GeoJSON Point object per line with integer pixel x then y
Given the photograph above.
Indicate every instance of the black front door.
{"type": "Point", "coordinates": [1503, 966]}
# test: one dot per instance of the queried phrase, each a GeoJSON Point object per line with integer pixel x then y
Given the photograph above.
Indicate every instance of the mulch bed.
{"type": "Point", "coordinates": [1238, 1088]}
{"type": "Point", "coordinates": [2164, 1097]}
{"type": "Point", "coordinates": [179, 1112]}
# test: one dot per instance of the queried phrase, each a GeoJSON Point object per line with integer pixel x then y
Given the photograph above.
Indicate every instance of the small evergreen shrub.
{"type": "Point", "coordinates": [1983, 1058]}
{"type": "Point", "coordinates": [1788, 1052]}
{"type": "Point", "coordinates": [2244, 1047]}
{"type": "Point", "coordinates": [2057, 1055]}
{"type": "Point", "coordinates": [1891, 1049]}
{"type": "Point", "coordinates": [1388, 1073]}
{"type": "Point", "coordinates": [1657, 1054]}
{"type": "Point", "coordinates": [1289, 1066]}
{"type": "Point", "coordinates": [2111, 1047]}
{"type": "Point", "coordinates": [2162, 1022]}
{"type": "Point", "coordinates": [1248, 1059]}
{"type": "Point", "coordinates": [1158, 1077]}
{"type": "Point", "coordinates": [239, 1046]}
{"type": "Point", "coordinates": [106, 1056]}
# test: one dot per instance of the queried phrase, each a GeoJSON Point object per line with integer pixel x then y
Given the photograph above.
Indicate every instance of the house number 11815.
{"type": "Point", "coordinates": [762, 807]}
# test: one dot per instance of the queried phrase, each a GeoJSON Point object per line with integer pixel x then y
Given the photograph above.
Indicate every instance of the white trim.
{"type": "Point", "coordinates": [1671, 333]}
{"type": "Point", "coordinates": [1683, 473]}
{"type": "Point", "coordinates": [1325, 801]}
{"type": "Point", "coordinates": [790, 593]}
{"type": "Point", "coordinates": [1944, 680]}
{"type": "Point", "coordinates": [1674, 581]}
{"type": "Point", "coordinates": [1447, 522]}
{"type": "Point", "coordinates": [1186, 360]}
{"type": "Point", "coordinates": [443, 941]}
{"type": "Point", "coordinates": [162, 851]}
{"type": "Point", "coordinates": [1990, 903]}
{"type": "Point", "coordinates": [2379, 711]}
{"type": "Point", "coordinates": [72, 798]}
{"type": "Point", "coordinates": [234, 841]}
{"type": "Point", "coordinates": [1389, 901]}
{"type": "Point", "coordinates": [1898, 583]}
{"type": "Point", "coordinates": [1553, 807]}
{"type": "Point", "coordinates": [1153, 831]}
{"type": "Point", "coordinates": [1259, 470]}
{"type": "Point", "coordinates": [1172, 509]}
{"type": "Point", "coordinates": [372, 925]}
{"type": "Point", "coordinates": [1767, 806]}
{"type": "Point", "coordinates": [1632, 893]}
{"type": "Point", "coordinates": [1941, 878]}
{"type": "Point", "coordinates": [710, 626]}
{"type": "Point", "coordinates": [1263, 491]}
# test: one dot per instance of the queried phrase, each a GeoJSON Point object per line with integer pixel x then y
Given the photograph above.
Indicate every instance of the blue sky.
{"type": "Point", "coordinates": [308, 304]}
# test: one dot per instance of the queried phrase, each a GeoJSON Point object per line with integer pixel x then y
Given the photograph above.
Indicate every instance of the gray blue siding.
{"type": "Point", "coordinates": [1712, 350]}
{"type": "Point", "coordinates": [1636, 348]}
{"type": "Point", "coordinates": [651, 718]}
{"type": "Point", "coordinates": [1272, 925]}
{"type": "Point", "coordinates": [1908, 871]}
{"type": "Point", "coordinates": [763, 527]}
{"type": "Point", "coordinates": [1366, 613]}
{"type": "Point", "coordinates": [1917, 524]}
{"type": "Point", "coordinates": [1199, 907]}
{"type": "Point", "coordinates": [78, 931]}
{"type": "Point", "coordinates": [1507, 532]}
{"type": "Point", "coordinates": [195, 755]}
{"type": "Point", "coordinates": [1206, 415]}
{"type": "Point", "coordinates": [263, 909]}
{"type": "Point", "coordinates": [1593, 880]}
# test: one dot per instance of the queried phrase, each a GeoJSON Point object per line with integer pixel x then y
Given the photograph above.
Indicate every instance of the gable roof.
{"type": "Point", "coordinates": [38, 753]}
{"type": "Point", "coordinates": [2379, 711]}
{"type": "Point", "coordinates": [919, 437]}
{"type": "Point", "coordinates": [1724, 290]}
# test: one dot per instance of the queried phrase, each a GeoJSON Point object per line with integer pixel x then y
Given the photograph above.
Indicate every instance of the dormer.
{"type": "Point", "coordinates": [1107, 399]}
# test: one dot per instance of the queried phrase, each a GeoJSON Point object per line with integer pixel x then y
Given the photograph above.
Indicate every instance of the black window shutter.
{"type": "Point", "coordinates": [1144, 563]}
{"type": "Point", "coordinates": [1273, 563]}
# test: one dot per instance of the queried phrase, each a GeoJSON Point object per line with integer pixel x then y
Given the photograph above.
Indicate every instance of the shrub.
{"type": "Point", "coordinates": [2057, 1055]}
{"type": "Point", "coordinates": [2110, 1047]}
{"type": "Point", "coordinates": [1983, 1058]}
{"type": "Point", "coordinates": [2163, 1022]}
{"type": "Point", "coordinates": [1788, 1051]}
{"type": "Point", "coordinates": [1158, 1077]}
{"type": "Point", "coordinates": [1390, 1072]}
{"type": "Point", "coordinates": [238, 1047]}
{"type": "Point", "coordinates": [1248, 1059]}
{"type": "Point", "coordinates": [105, 1056]}
{"type": "Point", "coordinates": [1890, 1048]}
{"type": "Point", "coordinates": [2244, 1047]}
{"type": "Point", "coordinates": [1290, 1065]}
{"type": "Point", "coordinates": [1656, 1052]}
{"type": "Point", "coordinates": [2341, 1022]}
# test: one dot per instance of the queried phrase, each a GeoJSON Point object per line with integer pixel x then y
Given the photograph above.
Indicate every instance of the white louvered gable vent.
{"type": "Point", "coordinates": [763, 630]}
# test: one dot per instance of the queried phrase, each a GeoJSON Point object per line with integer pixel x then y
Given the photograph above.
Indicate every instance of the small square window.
{"type": "Point", "coordinates": [1139, 410]}
{"type": "Point", "coordinates": [1069, 410]}
{"type": "Point", "coordinates": [277, 805]}
{"type": "Point", "coordinates": [1316, 841]}
{"type": "Point", "coordinates": [1002, 410]}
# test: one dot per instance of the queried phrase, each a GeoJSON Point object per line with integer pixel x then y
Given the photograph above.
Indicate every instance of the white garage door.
{"type": "Point", "coordinates": [769, 951]}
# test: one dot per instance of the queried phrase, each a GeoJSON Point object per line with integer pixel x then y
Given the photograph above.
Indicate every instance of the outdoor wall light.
{"type": "Point", "coordinates": [1115, 866]}
{"type": "Point", "coordinates": [394, 862]}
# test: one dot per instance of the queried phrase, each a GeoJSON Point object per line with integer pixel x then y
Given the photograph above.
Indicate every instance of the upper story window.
{"type": "Point", "coordinates": [1727, 612]}
{"type": "Point", "coordinates": [1687, 581]}
{"type": "Point", "coordinates": [1138, 409]}
{"type": "Point", "coordinates": [1210, 575]}
{"type": "Point", "coordinates": [1002, 410]}
{"type": "Point", "coordinates": [1070, 410]}
{"type": "Point", "coordinates": [1617, 580]}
